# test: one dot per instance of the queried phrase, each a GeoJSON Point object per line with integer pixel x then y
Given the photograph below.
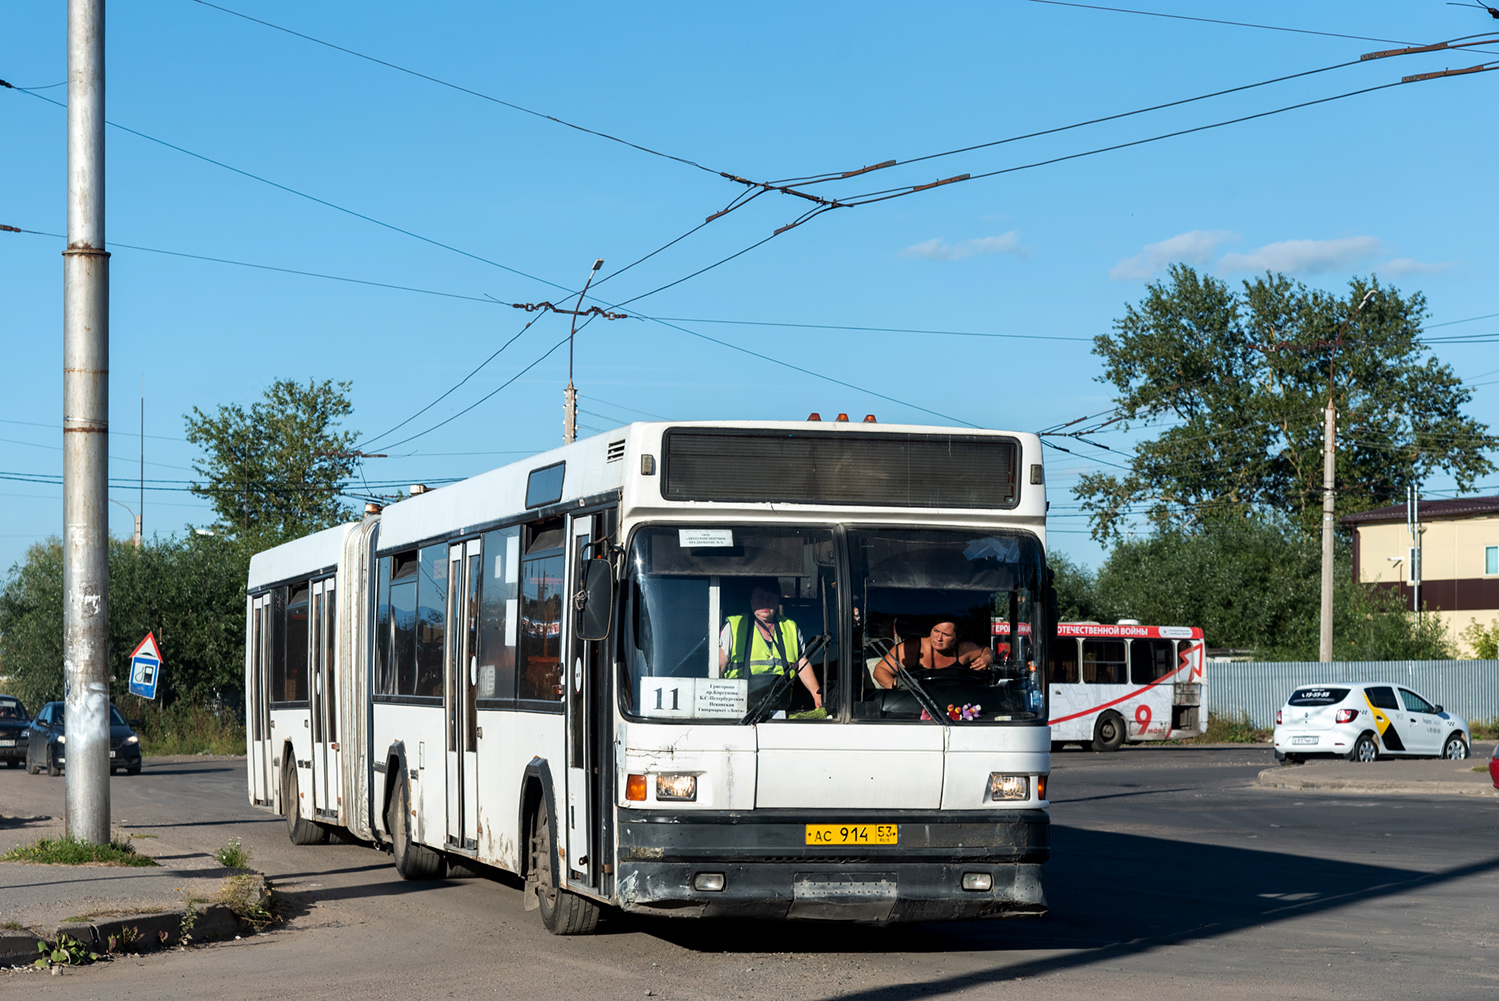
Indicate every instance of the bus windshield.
{"type": "Point", "coordinates": [742, 624]}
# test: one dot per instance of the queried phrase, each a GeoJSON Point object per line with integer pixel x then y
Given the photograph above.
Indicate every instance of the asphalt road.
{"type": "Point", "coordinates": [1172, 877]}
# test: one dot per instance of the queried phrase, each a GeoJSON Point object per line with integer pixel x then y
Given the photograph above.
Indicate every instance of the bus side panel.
{"type": "Point", "coordinates": [291, 747]}
{"type": "Point", "coordinates": [511, 740]}
{"type": "Point", "coordinates": [420, 729]}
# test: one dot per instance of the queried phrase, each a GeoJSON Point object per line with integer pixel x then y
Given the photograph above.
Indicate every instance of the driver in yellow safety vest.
{"type": "Point", "coordinates": [765, 643]}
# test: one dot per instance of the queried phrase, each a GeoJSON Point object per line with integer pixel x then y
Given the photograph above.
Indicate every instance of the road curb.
{"type": "Point", "coordinates": [1283, 777]}
{"type": "Point", "coordinates": [131, 933]}
{"type": "Point", "coordinates": [161, 929]}
{"type": "Point", "coordinates": [17, 948]}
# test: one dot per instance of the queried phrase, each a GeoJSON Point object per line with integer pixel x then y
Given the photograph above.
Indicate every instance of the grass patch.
{"type": "Point", "coordinates": [1484, 729]}
{"type": "Point", "coordinates": [1231, 730]}
{"type": "Point", "coordinates": [183, 729]}
{"type": "Point", "coordinates": [233, 855]}
{"type": "Point", "coordinates": [12, 925]}
{"type": "Point", "coordinates": [74, 851]}
{"type": "Point", "coordinates": [251, 898]}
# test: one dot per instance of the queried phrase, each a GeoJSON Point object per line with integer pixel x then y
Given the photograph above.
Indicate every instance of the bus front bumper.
{"type": "Point", "coordinates": [670, 864]}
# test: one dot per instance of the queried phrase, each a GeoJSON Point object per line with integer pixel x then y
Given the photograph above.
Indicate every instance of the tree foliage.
{"type": "Point", "coordinates": [1242, 378]}
{"type": "Point", "coordinates": [1255, 584]}
{"type": "Point", "coordinates": [188, 592]}
{"type": "Point", "coordinates": [276, 471]}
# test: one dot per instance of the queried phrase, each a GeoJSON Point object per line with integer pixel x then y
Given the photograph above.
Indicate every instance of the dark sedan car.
{"type": "Point", "coordinates": [48, 746]}
{"type": "Point", "coordinates": [13, 723]}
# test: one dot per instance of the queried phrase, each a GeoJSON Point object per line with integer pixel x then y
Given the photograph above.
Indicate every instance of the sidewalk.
{"type": "Point", "coordinates": [1421, 776]}
{"type": "Point", "coordinates": [92, 903]}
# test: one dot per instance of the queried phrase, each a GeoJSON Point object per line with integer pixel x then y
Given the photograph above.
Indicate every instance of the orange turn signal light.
{"type": "Point", "coordinates": [1041, 786]}
{"type": "Point", "coordinates": [635, 788]}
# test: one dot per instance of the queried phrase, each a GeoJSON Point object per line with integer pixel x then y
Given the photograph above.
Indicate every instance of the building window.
{"type": "Point", "coordinates": [1491, 560]}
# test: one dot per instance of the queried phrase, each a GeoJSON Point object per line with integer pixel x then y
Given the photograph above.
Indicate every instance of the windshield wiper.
{"type": "Point", "coordinates": [917, 692]}
{"type": "Point", "coordinates": [772, 698]}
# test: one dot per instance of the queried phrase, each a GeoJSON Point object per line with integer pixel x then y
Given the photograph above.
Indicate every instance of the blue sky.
{"type": "Point", "coordinates": [1396, 182]}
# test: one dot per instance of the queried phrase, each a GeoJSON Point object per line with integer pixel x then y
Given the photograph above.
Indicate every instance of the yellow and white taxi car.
{"type": "Point", "coordinates": [1365, 720]}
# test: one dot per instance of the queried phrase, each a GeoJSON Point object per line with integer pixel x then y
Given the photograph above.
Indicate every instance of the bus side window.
{"type": "Point", "coordinates": [499, 614]}
{"type": "Point", "coordinates": [1064, 661]}
{"type": "Point", "coordinates": [1149, 660]}
{"type": "Point", "coordinates": [402, 673]}
{"type": "Point", "coordinates": [1103, 662]}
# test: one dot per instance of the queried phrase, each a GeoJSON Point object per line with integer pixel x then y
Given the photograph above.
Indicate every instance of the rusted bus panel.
{"type": "Point", "coordinates": [1467, 688]}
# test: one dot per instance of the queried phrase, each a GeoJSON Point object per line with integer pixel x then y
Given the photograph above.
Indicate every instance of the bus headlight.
{"type": "Point", "coordinates": [1008, 787]}
{"type": "Point", "coordinates": [677, 786]}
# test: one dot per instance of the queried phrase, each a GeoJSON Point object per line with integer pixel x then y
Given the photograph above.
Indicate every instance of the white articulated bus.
{"type": "Point", "coordinates": [656, 670]}
{"type": "Point", "coordinates": [1127, 682]}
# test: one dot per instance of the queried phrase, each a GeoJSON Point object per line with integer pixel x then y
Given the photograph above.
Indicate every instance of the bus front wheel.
{"type": "Point", "coordinates": [562, 913]}
{"type": "Point", "coordinates": [1108, 732]}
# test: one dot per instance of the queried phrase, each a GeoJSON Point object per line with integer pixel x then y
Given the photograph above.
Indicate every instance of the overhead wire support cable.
{"type": "Point", "coordinates": [314, 198]}
{"type": "Point", "coordinates": [461, 89]}
{"type": "Point", "coordinates": [1482, 39]}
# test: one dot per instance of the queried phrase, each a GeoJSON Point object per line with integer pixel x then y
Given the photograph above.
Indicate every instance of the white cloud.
{"type": "Point", "coordinates": [938, 250]}
{"type": "Point", "coordinates": [1305, 257]}
{"type": "Point", "coordinates": [1406, 266]}
{"type": "Point", "coordinates": [1194, 247]}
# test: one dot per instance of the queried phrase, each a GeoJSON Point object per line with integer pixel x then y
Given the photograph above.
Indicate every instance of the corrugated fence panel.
{"type": "Point", "coordinates": [1468, 688]}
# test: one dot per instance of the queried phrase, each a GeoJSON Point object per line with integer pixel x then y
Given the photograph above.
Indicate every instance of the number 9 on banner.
{"type": "Point", "coordinates": [1142, 717]}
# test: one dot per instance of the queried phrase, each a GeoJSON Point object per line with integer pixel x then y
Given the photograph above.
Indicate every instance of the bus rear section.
{"type": "Point", "coordinates": [1112, 684]}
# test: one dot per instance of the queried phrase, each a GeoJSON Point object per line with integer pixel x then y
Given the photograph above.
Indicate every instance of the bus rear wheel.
{"type": "Point", "coordinates": [299, 829]}
{"type": "Point", "coordinates": [1108, 732]}
{"type": "Point", "coordinates": [562, 913]}
{"type": "Point", "coordinates": [413, 861]}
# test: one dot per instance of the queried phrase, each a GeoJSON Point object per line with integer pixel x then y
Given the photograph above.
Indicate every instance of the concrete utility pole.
{"type": "Point", "coordinates": [85, 435]}
{"type": "Point", "coordinates": [1329, 474]}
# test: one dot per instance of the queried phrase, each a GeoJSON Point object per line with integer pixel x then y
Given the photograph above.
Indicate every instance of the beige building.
{"type": "Point", "coordinates": [1459, 559]}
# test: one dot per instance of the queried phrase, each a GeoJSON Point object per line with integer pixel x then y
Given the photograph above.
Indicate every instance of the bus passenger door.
{"type": "Point", "coordinates": [465, 576]}
{"type": "Point", "coordinates": [324, 716]}
{"type": "Point", "coordinates": [258, 708]}
{"type": "Point", "coordinates": [588, 739]}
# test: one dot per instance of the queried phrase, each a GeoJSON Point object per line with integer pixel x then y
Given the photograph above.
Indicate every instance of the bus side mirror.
{"type": "Point", "coordinates": [594, 601]}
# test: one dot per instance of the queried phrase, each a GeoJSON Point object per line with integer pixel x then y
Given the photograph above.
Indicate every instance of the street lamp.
{"type": "Point", "coordinates": [136, 538]}
{"type": "Point", "coordinates": [570, 395]}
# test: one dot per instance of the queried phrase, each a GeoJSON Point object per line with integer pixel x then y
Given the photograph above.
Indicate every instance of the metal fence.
{"type": "Point", "coordinates": [1468, 688]}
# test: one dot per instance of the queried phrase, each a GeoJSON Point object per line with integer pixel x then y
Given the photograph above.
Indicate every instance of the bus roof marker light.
{"type": "Point", "coordinates": [842, 419]}
{"type": "Point", "coordinates": [647, 465]}
{"type": "Point", "coordinates": [869, 419]}
{"type": "Point", "coordinates": [1038, 474]}
{"type": "Point", "coordinates": [814, 416]}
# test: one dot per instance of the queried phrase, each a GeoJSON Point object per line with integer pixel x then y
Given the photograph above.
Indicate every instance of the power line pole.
{"type": "Point", "coordinates": [85, 435]}
{"type": "Point", "coordinates": [1329, 476]}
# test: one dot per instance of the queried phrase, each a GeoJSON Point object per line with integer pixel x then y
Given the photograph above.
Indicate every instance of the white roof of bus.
{"type": "Point", "coordinates": [299, 556]}
{"type": "Point", "coordinates": [478, 500]}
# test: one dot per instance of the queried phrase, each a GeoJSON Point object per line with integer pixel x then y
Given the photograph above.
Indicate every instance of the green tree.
{"type": "Point", "coordinates": [31, 612]}
{"type": "Point", "coordinates": [276, 471]}
{"type": "Point", "coordinates": [1077, 600]}
{"type": "Point", "coordinates": [190, 593]}
{"type": "Point", "coordinates": [1255, 584]}
{"type": "Point", "coordinates": [1242, 378]}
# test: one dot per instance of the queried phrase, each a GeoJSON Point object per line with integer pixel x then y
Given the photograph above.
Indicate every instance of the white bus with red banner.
{"type": "Point", "coordinates": [1124, 682]}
